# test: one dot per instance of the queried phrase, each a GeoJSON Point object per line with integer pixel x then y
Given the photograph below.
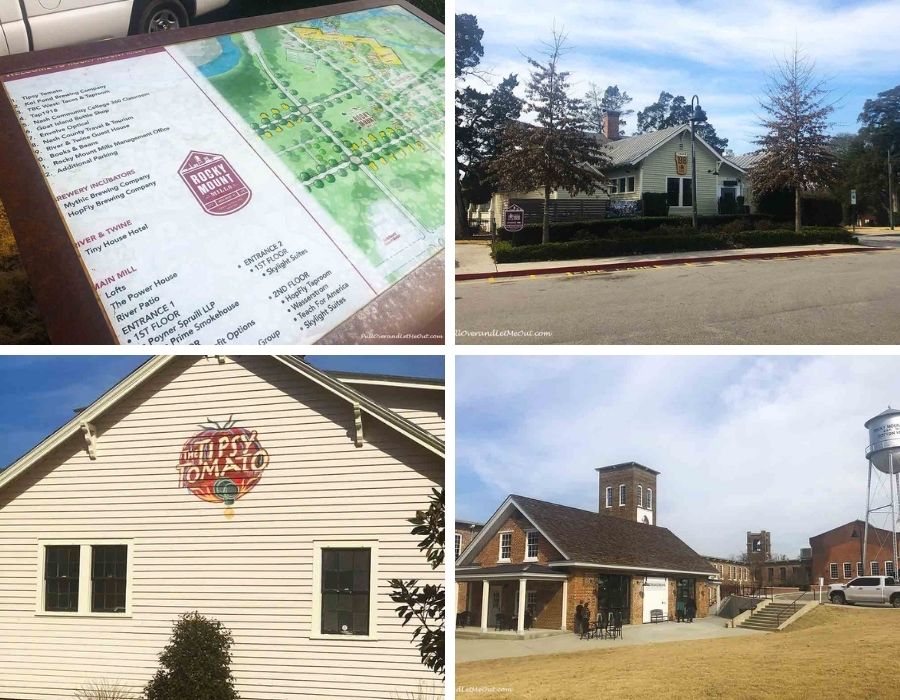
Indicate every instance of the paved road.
{"type": "Point", "coordinates": [835, 299]}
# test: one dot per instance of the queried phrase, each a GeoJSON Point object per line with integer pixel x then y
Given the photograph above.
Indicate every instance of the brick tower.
{"type": "Point", "coordinates": [628, 490]}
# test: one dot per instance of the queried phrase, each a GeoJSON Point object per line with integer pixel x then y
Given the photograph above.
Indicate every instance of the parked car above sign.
{"type": "Point", "coordinates": [32, 25]}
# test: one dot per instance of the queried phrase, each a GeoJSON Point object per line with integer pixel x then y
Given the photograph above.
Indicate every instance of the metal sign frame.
{"type": "Point", "coordinates": [59, 281]}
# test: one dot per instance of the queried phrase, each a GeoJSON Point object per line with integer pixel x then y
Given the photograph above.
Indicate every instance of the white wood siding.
{"type": "Point", "coordinates": [252, 572]}
{"type": "Point", "coordinates": [661, 164]}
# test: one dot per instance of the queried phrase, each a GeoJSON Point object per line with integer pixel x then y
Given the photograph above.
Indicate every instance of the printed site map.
{"type": "Point", "coordinates": [352, 106]}
{"type": "Point", "coordinates": [255, 188]}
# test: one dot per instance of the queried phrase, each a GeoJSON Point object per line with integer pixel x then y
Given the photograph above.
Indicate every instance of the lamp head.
{"type": "Point", "coordinates": [698, 115]}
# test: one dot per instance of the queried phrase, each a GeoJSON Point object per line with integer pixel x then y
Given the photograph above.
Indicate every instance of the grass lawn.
{"type": "Point", "coordinates": [833, 652]}
{"type": "Point", "coordinates": [20, 321]}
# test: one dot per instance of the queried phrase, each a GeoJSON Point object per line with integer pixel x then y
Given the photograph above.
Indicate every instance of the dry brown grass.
{"type": "Point", "coordinates": [833, 652]}
{"type": "Point", "coordinates": [20, 321]}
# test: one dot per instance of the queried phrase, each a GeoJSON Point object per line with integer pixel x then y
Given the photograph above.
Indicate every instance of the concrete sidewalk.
{"type": "Point", "coordinates": [473, 259]}
{"type": "Point", "coordinates": [701, 628]}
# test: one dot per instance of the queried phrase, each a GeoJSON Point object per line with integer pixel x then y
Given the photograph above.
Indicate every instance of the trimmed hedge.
{"type": "Point", "coordinates": [579, 230]}
{"type": "Point", "coordinates": [655, 203]}
{"type": "Point", "coordinates": [506, 252]}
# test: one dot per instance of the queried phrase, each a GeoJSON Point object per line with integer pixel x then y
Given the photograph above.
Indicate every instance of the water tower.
{"type": "Point", "coordinates": [883, 454]}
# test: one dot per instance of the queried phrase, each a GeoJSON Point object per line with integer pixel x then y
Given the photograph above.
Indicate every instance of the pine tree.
{"type": "Point", "coordinates": [596, 104]}
{"type": "Point", "coordinates": [795, 150]}
{"type": "Point", "coordinates": [556, 151]}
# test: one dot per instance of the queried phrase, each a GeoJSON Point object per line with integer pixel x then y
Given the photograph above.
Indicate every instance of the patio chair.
{"type": "Point", "coordinates": [602, 624]}
{"type": "Point", "coordinates": [499, 622]}
{"type": "Point", "coordinates": [614, 629]}
{"type": "Point", "coordinates": [463, 618]}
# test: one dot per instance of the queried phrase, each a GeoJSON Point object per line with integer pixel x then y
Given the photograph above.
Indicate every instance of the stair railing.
{"type": "Point", "coordinates": [794, 604]}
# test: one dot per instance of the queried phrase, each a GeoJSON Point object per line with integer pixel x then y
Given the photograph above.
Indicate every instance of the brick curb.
{"type": "Point", "coordinates": [614, 267]}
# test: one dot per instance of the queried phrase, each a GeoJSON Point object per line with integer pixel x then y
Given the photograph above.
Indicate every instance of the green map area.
{"type": "Point", "coordinates": [353, 105]}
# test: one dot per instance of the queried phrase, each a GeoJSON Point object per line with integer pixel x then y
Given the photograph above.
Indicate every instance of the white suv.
{"type": "Point", "coordinates": [31, 25]}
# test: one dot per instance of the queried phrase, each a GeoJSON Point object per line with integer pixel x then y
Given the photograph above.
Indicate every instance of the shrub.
{"type": "Point", "coordinates": [655, 203]}
{"type": "Point", "coordinates": [673, 241]}
{"type": "Point", "coordinates": [562, 232]}
{"type": "Point", "coordinates": [728, 204]}
{"type": "Point", "coordinates": [196, 663]}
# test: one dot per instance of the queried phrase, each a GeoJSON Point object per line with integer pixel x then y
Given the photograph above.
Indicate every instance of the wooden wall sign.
{"type": "Point", "coordinates": [255, 182]}
{"type": "Point", "coordinates": [222, 463]}
{"type": "Point", "coordinates": [681, 160]}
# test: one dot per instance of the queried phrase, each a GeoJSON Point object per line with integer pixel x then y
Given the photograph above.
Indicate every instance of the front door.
{"type": "Point", "coordinates": [494, 603]}
{"type": "Point", "coordinates": [656, 597]}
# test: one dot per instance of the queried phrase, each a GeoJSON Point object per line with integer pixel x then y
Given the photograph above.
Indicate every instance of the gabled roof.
{"type": "Point", "coordinates": [633, 149]}
{"type": "Point", "coordinates": [878, 532]}
{"type": "Point", "coordinates": [153, 366]}
{"type": "Point", "coordinates": [583, 537]}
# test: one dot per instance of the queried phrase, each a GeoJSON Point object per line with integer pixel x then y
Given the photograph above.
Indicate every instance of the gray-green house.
{"type": "Point", "coordinates": [658, 161]}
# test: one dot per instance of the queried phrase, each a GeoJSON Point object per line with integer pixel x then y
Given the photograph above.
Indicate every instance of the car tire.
{"type": "Point", "coordinates": [837, 598]}
{"type": "Point", "coordinates": [895, 601]}
{"type": "Point", "coordinates": [161, 15]}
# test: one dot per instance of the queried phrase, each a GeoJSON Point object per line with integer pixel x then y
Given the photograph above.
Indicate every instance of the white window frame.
{"type": "Point", "coordinates": [859, 569]}
{"type": "Point", "coordinates": [623, 494]}
{"type": "Point", "coordinates": [848, 570]}
{"type": "Point", "coordinates": [873, 568]}
{"type": "Point", "coordinates": [528, 534]}
{"type": "Point", "coordinates": [315, 631]}
{"type": "Point", "coordinates": [619, 185]}
{"type": "Point", "coordinates": [500, 556]}
{"type": "Point", "coordinates": [833, 570]}
{"type": "Point", "coordinates": [681, 180]}
{"type": "Point", "coordinates": [609, 496]}
{"type": "Point", "coordinates": [85, 584]}
{"type": "Point", "coordinates": [887, 563]}
{"type": "Point", "coordinates": [648, 495]}
{"type": "Point", "coordinates": [639, 496]}
{"type": "Point", "coordinates": [457, 544]}
{"type": "Point", "coordinates": [531, 601]}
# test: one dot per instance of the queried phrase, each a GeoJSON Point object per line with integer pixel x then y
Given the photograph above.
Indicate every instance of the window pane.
{"type": "Point", "coordinates": [109, 566]}
{"type": "Point", "coordinates": [630, 187]}
{"type": "Point", "coordinates": [686, 200]}
{"type": "Point", "coordinates": [61, 571]}
{"type": "Point", "coordinates": [345, 591]}
{"type": "Point", "coordinates": [672, 191]}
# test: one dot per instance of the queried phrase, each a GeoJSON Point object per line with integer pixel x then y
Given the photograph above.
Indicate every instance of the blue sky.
{"type": "Point", "coordinates": [742, 443]}
{"type": "Point", "coordinates": [720, 51]}
{"type": "Point", "coordinates": [38, 394]}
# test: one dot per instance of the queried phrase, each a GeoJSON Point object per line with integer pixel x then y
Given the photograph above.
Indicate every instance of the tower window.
{"type": "Point", "coordinates": [623, 493]}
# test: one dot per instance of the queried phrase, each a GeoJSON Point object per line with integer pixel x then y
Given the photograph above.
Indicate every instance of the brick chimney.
{"type": "Point", "coordinates": [611, 124]}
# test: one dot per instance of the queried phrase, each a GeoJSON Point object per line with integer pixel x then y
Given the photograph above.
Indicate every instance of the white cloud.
{"type": "Point", "coordinates": [742, 444]}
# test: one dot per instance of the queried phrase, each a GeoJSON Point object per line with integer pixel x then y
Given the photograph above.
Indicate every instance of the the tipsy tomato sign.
{"type": "Point", "coordinates": [222, 463]}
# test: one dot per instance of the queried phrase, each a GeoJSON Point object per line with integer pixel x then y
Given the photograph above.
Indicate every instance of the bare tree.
{"type": "Point", "coordinates": [794, 152]}
{"type": "Point", "coordinates": [555, 152]}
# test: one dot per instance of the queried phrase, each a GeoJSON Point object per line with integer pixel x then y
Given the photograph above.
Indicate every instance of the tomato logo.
{"type": "Point", "coordinates": [221, 463]}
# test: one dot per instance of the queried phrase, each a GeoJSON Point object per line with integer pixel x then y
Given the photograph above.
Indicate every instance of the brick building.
{"type": "Point", "coordinates": [545, 559]}
{"type": "Point", "coordinates": [464, 533]}
{"type": "Point", "coordinates": [732, 572]}
{"type": "Point", "coordinates": [837, 553]}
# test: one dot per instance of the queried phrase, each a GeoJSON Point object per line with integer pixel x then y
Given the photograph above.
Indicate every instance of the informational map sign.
{"type": "Point", "coordinates": [259, 187]}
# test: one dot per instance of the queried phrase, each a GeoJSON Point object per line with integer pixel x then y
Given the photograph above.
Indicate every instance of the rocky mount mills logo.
{"type": "Point", "coordinates": [214, 183]}
{"type": "Point", "coordinates": [222, 463]}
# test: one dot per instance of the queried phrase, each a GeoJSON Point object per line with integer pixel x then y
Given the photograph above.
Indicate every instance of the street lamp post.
{"type": "Point", "coordinates": [697, 116]}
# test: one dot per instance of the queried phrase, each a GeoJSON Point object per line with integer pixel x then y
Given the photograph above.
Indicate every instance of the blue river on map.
{"type": "Point", "coordinates": [225, 61]}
